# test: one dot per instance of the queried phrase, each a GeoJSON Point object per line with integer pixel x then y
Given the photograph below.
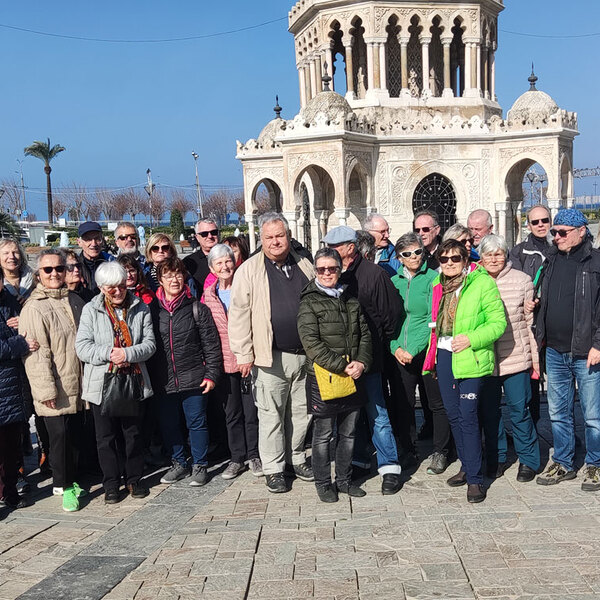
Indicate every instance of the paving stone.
{"type": "Point", "coordinates": [281, 589]}
{"type": "Point", "coordinates": [434, 589]}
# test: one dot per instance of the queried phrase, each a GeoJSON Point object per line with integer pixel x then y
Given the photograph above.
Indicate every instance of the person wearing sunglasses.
{"type": "Point", "coordinates": [568, 327]}
{"type": "Point", "coordinates": [426, 226]}
{"type": "Point", "coordinates": [207, 235]}
{"type": "Point", "coordinates": [91, 242]}
{"type": "Point", "coordinates": [54, 372]}
{"type": "Point", "coordinates": [128, 242]}
{"type": "Point", "coordinates": [467, 317]}
{"type": "Point", "coordinates": [385, 255]}
{"type": "Point", "coordinates": [463, 234]}
{"type": "Point", "coordinates": [413, 283]}
{"type": "Point", "coordinates": [335, 336]}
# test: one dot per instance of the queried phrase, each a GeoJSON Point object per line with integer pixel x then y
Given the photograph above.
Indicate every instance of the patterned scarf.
{"type": "Point", "coordinates": [447, 313]}
{"type": "Point", "coordinates": [172, 305]}
{"type": "Point", "coordinates": [122, 335]}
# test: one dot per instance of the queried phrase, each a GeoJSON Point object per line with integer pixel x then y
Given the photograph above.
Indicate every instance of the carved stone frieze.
{"type": "Point", "coordinates": [327, 160]}
{"type": "Point", "coordinates": [254, 175]}
{"type": "Point", "coordinates": [507, 154]}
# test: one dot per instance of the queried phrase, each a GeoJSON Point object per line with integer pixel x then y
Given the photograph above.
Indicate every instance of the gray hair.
{"type": "Point", "coordinates": [407, 240]}
{"type": "Point", "coordinates": [20, 249]}
{"type": "Point", "coordinates": [272, 217]}
{"type": "Point", "coordinates": [220, 251]}
{"type": "Point", "coordinates": [110, 273]}
{"type": "Point", "coordinates": [529, 211]}
{"type": "Point", "coordinates": [125, 225]}
{"type": "Point", "coordinates": [329, 253]}
{"type": "Point", "coordinates": [456, 231]}
{"type": "Point", "coordinates": [369, 221]}
{"type": "Point", "coordinates": [492, 243]}
{"type": "Point", "coordinates": [207, 221]}
{"type": "Point", "coordinates": [365, 244]}
{"type": "Point", "coordinates": [479, 213]}
{"type": "Point", "coordinates": [427, 213]}
{"type": "Point", "coordinates": [52, 252]}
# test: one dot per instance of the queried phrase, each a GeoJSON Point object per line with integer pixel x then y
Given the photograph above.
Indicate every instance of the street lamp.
{"type": "Point", "coordinates": [532, 177]}
{"type": "Point", "coordinates": [149, 190]}
{"type": "Point", "coordinates": [199, 210]}
{"type": "Point", "coordinates": [22, 185]}
{"type": "Point", "coordinates": [542, 180]}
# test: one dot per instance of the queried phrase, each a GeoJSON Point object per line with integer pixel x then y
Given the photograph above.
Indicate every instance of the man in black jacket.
{"type": "Point", "coordinates": [568, 325]}
{"type": "Point", "coordinates": [91, 242]}
{"type": "Point", "coordinates": [207, 234]}
{"type": "Point", "coordinates": [381, 305]}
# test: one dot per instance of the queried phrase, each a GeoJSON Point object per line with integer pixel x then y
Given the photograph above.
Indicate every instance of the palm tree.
{"type": "Point", "coordinates": [8, 226]}
{"type": "Point", "coordinates": [45, 152]}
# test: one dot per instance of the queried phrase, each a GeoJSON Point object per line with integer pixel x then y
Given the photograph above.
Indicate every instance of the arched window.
{"type": "Point", "coordinates": [359, 59]}
{"type": "Point", "coordinates": [394, 58]}
{"type": "Point", "coordinates": [436, 193]}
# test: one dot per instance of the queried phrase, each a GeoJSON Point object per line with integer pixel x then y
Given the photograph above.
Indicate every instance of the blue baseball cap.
{"type": "Point", "coordinates": [339, 235]}
{"type": "Point", "coordinates": [87, 227]}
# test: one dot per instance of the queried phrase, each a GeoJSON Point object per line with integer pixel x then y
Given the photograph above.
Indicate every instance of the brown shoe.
{"type": "Point", "coordinates": [475, 493]}
{"type": "Point", "coordinates": [457, 480]}
{"type": "Point", "coordinates": [137, 490]}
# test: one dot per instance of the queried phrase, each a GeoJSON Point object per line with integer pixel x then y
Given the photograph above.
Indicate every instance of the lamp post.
{"type": "Point", "coordinates": [2, 190]}
{"type": "Point", "coordinates": [199, 210]}
{"type": "Point", "coordinates": [149, 190]}
{"type": "Point", "coordinates": [24, 208]}
{"type": "Point", "coordinates": [542, 179]}
{"type": "Point", "coordinates": [531, 176]}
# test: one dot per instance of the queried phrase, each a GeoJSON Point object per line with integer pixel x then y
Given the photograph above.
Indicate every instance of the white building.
{"type": "Point", "coordinates": [419, 125]}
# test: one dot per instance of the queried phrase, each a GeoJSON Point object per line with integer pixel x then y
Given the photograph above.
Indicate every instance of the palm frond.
{"type": "Point", "coordinates": [43, 150]}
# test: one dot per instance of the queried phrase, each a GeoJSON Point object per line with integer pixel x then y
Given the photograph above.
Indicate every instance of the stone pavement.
{"type": "Point", "coordinates": [234, 541]}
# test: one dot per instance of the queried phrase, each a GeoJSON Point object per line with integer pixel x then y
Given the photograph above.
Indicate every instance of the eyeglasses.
{"type": "Point", "coordinates": [380, 231]}
{"type": "Point", "coordinates": [456, 258]}
{"type": "Point", "coordinates": [423, 229]}
{"type": "Point", "coordinates": [58, 269]}
{"type": "Point", "coordinates": [545, 220]}
{"type": "Point", "coordinates": [171, 276]}
{"type": "Point", "coordinates": [164, 248]}
{"type": "Point", "coordinates": [409, 253]}
{"type": "Point", "coordinates": [328, 270]}
{"type": "Point", "coordinates": [464, 242]}
{"type": "Point", "coordinates": [128, 236]}
{"type": "Point", "coordinates": [561, 232]}
{"type": "Point", "coordinates": [72, 266]}
{"type": "Point", "coordinates": [212, 232]}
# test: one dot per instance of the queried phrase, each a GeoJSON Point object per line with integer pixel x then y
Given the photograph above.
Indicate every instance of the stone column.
{"type": "Point", "coordinates": [370, 78]}
{"type": "Point", "coordinates": [467, 69]}
{"type": "Point", "coordinates": [493, 73]}
{"type": "Point", "coordinates": [319, 73]}
{"type": "Point", "coordinates": [376, 66]}
{"type": "Point", "coordinates": [250, 222]}
{"type": "Point", "coordinates": [478, 56]}
{"type": "Point", "coordinates": [342, 215]}
{"type": "Point", "coordinates": [383, 66]}
{"type": "Point", "coordinates": [405, 93]}
{"type": "Point", "coordinates": [302, 83]}
{"type": "Point", "coordinates": [486, 72]}
{"type": "Point", "coordinates": [425, 41]}
{"type": "Point", "coordinates": [501, 209]}
{"type": "Point", "coordinates": [350, 71]}
{"type": "Point", "coordinates": [329, 61]}
{"type": "Point", "coordinates": [292, 217]}
{"type": "Point", "coordinates": [307, 83]}
{"type": "Point", "coordinates": [448, 91]}
{"type": "Point", "coordinates": [313, 78]}
{"type": "Point", "coordinates": [554, 206]}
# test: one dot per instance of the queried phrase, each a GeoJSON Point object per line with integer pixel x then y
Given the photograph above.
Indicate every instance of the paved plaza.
{"type": "Point", "coordinates": [235, 540]}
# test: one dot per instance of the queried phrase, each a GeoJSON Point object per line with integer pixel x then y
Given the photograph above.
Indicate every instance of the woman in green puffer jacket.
{"type": "Point", "coordinates": [469, 317]}
{"type": "Point", "coordinates": [335, 336]}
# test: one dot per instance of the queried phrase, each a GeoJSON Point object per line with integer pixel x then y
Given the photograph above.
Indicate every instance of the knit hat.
{"type": "Point", "coordinates": [570, 217]}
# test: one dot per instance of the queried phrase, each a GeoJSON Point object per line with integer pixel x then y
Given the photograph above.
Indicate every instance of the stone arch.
{"type": "Point", "coordinates": [415, 58]}
{"type": "Point", "coordinates": [393, 57]}
{"type": "Point", "coordinates": [436, 193]}
{"type": "Point", "coordinates": [566, 180]}
{"type": "Point", "coordinates": [275, 196]}
{"type": "Point", "coordinates": [338, 55]}
{"type": "Point", "coordinates": [436, 57]}
{"type": "Point", "coordinates": [457, 57]}
{"type": "Point", "coordinates": [358, 192]}
{"type": "Point", "coordinates": [359, 58]}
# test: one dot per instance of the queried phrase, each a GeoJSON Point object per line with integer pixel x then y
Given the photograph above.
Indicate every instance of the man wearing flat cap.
{"type": "Point", "coordinates": [91, 242]}
{"type": "Point", "coordinates": [568, 326]}
{"type": "Point", "coordinates": [380, 302]}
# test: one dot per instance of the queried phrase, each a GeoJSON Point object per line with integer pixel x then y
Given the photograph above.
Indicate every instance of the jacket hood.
{"type": "Point", "coordinates": [43, 293]}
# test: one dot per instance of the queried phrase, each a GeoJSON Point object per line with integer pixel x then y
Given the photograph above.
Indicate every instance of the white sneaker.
{"type": "Point", "coordinates": [58, 491]}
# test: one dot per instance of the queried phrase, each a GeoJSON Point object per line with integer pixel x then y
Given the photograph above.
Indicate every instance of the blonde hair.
{"type": "Point", "coordinates": [154, 239]}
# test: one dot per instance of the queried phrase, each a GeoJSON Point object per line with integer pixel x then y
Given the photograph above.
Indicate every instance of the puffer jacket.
{"type": "Point", "coordinates": [528, 257]}
{"type": "Point", "coordinates": [187, 353]}
{"type": "Point", "coordinates": [95, 340]}
{"type": "Point", "coordinates": [54, 371]}
{"type": "Point", "coordinates": [331, 329]}
{"type": "Point", "coordinates": [12, 348]}
{"type": "Point", "coordinates": [214, 304]}
{"type": "Point", "coordinates": [413, 325]}
{"type": "Point", "coordinates": [516, 349]}
{"type": "Point", "coordinates": [480, 316]}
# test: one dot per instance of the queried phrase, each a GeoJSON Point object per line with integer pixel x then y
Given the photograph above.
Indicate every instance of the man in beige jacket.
{"type": "Point", "coordinates": [263, 334]}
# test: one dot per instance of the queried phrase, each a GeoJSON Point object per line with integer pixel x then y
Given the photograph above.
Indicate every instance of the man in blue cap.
{"type": "Point", "coordinates": [568, 326]}
{"type": "Point", "coordinates": [91, 242]}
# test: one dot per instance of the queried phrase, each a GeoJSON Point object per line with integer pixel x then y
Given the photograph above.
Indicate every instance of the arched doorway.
{"type": "Point", "coordinates": [436, 194]}
{"type": "Point", "coordinates": [266, 196]}
{"type": "Point", "coordinates": [357, 195]}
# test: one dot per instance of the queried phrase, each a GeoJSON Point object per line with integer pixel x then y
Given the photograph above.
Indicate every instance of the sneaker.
{"type": "Point", "coordinates": [23, 486]}
{"type": "Point", "coordinates": [70, 502]}
{"type": "Point", "coordinates": [79, 491]}
{"type": "Point", "coordinates": [276, 483]}
{"type": "Point", "coordinates": [199, 476]}
{"type": "Point", "coordinates": [327, 493]}
{"type": "Point", "coordinates": [137, 490]}
{"type": "Point", "coordinates": [304, 472]}
{"type": "Point", "coordinates": [255, 465]}
{"type": "Point", "coordinates": [175, 473]}
{"type": "Point", "coordinates": [438, 464]}
{"type": "Point", "coordinates": [591, 479]}
{"type": "Point", "coordinates": [554, 474]}
{"type": "Point", "coordinates": [233, 470]}
{"type": "Point", "coordinates": [56, 491]}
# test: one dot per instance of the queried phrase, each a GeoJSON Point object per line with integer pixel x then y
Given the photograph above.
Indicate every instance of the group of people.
{"type": "Point", "coordinates": [139, 347]}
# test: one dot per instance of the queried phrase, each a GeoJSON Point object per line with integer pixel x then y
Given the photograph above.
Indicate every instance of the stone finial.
{"type": "Point", "coordinates": [277, 108]}
{"type": "Point", "coordinates": [532, 80]}
{"type": "Point", "coordinates": [326, 79]}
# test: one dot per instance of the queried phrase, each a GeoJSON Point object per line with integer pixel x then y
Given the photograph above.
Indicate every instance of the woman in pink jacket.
{"type": "Point", "coordinates": [234, 390]}
{"type": "Point", "coordinates": [516, 356]}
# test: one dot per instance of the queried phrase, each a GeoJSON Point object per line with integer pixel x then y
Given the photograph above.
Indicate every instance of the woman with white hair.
{"type": "Point", "coordinates": [235, 391]}
{"type": "Point", "coordinates": [116, 336]}
{"type": "Point", "coordinates": [516, 353]}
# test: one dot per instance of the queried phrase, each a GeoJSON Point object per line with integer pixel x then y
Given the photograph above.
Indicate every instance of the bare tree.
{"type": "Point", "coordinates": [31, 217]}
{"type": "Point", "coordinates": [159, 207]}
{"type": "Point", "coordinates": [237, 204]}
{"type": "Point", "coordinates": [120, 205]}
{"type": "Point", "coordinates": [216, 206]}
{"type": "Point", "coordinates": [105, 200]}
{"type": "Point", "coordinates": [77, 198]}
{"type": "Point", "coordinates": [181, 202]}
{"type": "Point", "coordinates": [59, 207]}
{"type": "Point", "coordinates": [263, 201]}
{"type": "Point", "coordinates": [91, 210]}
{"type": "Point", "coordinates": [12, 199]}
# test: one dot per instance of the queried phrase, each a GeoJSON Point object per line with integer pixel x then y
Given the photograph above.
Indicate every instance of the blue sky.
{"type": "Point", "coordinates": [122, 108]}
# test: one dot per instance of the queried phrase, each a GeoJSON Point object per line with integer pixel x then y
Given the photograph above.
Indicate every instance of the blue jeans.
{"type": "Point", "coordinates": [380, 426]}
{"type": "Point", "coordinates": [563, 371]}
{"type": "Point", "coordinates": [461, 400]}
{"type": "Point", "coordinates": [517, 392]}
{"type": "Point", "coordinates": [193, 404]}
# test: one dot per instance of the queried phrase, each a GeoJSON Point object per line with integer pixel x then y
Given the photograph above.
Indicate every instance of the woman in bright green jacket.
{"type": "Point", "coordinates": [414, 284]}
{"type": "Point", "coordinates": [469, 317]}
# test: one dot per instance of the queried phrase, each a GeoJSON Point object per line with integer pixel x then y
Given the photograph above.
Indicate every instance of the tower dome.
{"type": "Point", "coordinates": [330, 103]}
{"type": "Point", "coordinates": [533, 105]}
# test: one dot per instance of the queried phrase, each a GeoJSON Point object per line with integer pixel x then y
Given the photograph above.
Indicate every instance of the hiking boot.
{"type": "Point", "coordinates": [352, 490]}
{"type": "Point", "coordinates": [276, 483]}
{"type": "Point", "coordinates": [391, 484]}
{"type": "Point", "coordinates": [475, 493]}
{"type": "Point", "coordinates": [70, 502]}
{"type": "Point", "coordinates": [233, 470]}
{"type": "Point", "coordinates": [327, 493]}
{"type": "Point", "coordinates": [591, 479]}
{"type": "Point", "coordinates": [138, 490]}
{"type": "Point", "coordinates": [525, 474]}
{"type": "Point", "coordinates": [175, 473]}
{"type": "Point", "coordinates": [255, 465]}
{"type": "Point", "coordinates": [438, 464]}
{"type": "Point", "coordinates": [457, 480]}
{"type": "Point", "coordinates": [199, 476]}
{"type": "Point", "coordinates": [111, 496]}
{"type": "Point", "coordinates": [554, 474]}
{"type": "Point", "coordinates": [304, 472]}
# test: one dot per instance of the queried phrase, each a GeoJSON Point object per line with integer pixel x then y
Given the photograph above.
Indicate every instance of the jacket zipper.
{"type": "Point", "coordinates": [408, 314]}
{"type": "Point", "coordinates": [172, 351]}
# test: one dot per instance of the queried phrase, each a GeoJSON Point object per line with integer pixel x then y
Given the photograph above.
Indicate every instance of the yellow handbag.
{"type": "Point", "coordinates": [333, 386]}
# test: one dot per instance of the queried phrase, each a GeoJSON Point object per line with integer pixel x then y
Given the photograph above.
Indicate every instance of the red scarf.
{"type": "Point", "coordinates": [172, 305]}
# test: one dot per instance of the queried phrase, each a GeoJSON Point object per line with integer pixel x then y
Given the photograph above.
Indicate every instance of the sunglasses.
{"type": "Point", "coordinates": [545, 220]}
{"type": "Point", "coordinates": [71, 267]}
{"type": "Point", "coordinates": [328, 270]}
{"type": "Point", "coordinates": [164, 248]}
{"type": "Point", "coordinates": [409, 253]}
{"type": "Point", "coordinates": [457, 258]}
{"type": "Point", "coordinates": [212, 232]}
{"type": "Point", "coordinates": [113, 289]}
{"type": "Point", "coordinates": [464, 242]}
{"type": "Point", "coordinates": [423, 229]}
{"type": "Point", "coordinates": [561, 232]}
{"type": "Point", "coordinates": [128, 236]}
{"type": "Point", "coordinates": [58, 269]}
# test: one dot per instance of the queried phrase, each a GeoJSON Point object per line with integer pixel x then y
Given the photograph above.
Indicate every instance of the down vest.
{"type": "Point", "coordinates": [12, 348]}
{"type": "Point", "coordinates": [187, 353]}
{"type": "Point", "coordinates": [95, 340]}
{"type": "Point", "coordinates": [516, 349]}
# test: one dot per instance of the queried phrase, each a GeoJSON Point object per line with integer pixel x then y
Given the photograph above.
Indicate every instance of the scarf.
{"type": "Point", "coordinates": [122, 335]}
{"type": "Point", "coordinates": [172, 305]}
{"type": "Point", "coordinates": [449, 302]}
{"type": "Point", "coordinates": [335, 292]}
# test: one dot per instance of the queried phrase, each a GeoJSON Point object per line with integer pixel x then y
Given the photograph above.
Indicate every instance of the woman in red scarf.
{"type": "Point", "coordinates": [136, 281]}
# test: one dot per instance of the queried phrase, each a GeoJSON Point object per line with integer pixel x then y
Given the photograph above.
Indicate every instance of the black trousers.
{"type": "Point", "coordinates": [411, 377]}
{"type": "Point", "coordinates": [241, 416]}
{"type": "Point", "coordinates": [64, 434]}
{"type": "Point", "coordinates": [534, 403]}
{"type": "Point", "coordinates": [108, 431]}
{"type": "Point", "coordinates": [10, 454]}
